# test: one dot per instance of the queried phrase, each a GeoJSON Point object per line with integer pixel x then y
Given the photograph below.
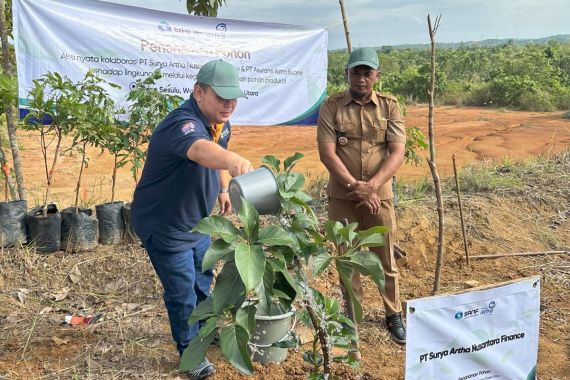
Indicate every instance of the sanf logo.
{"type": "Point", "coordinates": [221, 30]}
{"type": "Point", "coordinates": [163, 26]}
{"type": "Point", "coordinates": [466, 314]}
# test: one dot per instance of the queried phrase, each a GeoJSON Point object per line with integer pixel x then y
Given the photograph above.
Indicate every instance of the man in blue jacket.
{"type": "Point", "coordinates": [187, 168]}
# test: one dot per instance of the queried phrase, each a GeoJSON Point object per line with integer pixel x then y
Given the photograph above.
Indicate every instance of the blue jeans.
{"type": "Point", "coordinates": [184, 286]}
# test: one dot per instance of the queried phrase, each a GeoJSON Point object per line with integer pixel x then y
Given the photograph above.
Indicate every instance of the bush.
{"type": "Point", "coordinates": [563, 101]}
{"type": "Point", "coordinates": [536, 101]}
{"type": "Point", "coordinates": [480, 95]}
{"type": "Point", "coordinates": [456, 94]}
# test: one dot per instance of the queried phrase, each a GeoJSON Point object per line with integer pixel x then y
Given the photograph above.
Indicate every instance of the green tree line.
{"type": "Point", "coordinates": [529, 77]}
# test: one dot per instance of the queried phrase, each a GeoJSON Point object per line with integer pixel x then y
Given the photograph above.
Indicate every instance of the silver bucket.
{"type": "Point", "coordinates": [258, 187]}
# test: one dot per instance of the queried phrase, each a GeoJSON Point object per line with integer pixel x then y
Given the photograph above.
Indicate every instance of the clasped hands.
{"type": "Point", "coordinates": [364, 194]}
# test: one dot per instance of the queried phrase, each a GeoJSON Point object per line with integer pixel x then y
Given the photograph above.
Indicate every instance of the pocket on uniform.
{"type": "Point", "coordinates": [380, 127]}
{"type": "Point", "coordinates": [347, 130]}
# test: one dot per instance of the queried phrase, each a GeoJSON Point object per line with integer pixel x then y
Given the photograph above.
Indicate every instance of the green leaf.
{"type": "Point", "coordinates": [290, 162]}
{"type": "Point", "coordinates": [272, 162]}
{"type": "Point", "coordinates": [233, 343]}
{"type": "Point", "coordinates": [345, 273]}
{"type": "Point", "coordinates": [245, 317]}
{"type": "Point", "coordinates": [294, 182]}
{"type": "Point", "coordinates": [219, 250]}
{"type": "Point", "coordinates": [201, 311]}
{"type": "Point", "coordinates": [322, 261]}
{"type": "Point", "coordinates": [210, 325]}
{"type": "Point", "coordinates": [274, 235]}
{"type": "Point", "coordinates": [228, 289]}
{"type": "Point", "coordinates": [195, 353]}
{"type": "Point", "coordinates": [301, 198]}
{"type": "Point", "coordinates": [331, 228]}
{"type": "Point", "coordinates": [250, 262]}
{"type": "Point", "coordinates": [375, 240]}
{"type": "Point", "coordinates": [370, 265]}
{"type": "Point", "coordinates": [249, 217]}
{"type": "Point", "coordinates": [372, 237]}
{"type": "Point", "coordinates": [217, 225]}
{"type": "Point", "coordinates": [265, 289]}
{"type": "Point", "coordinates": [284, 283]}
{"type": "Point", "coordinates": [348, 233]}
{"type": "Point", "coordinates": [277, 263]}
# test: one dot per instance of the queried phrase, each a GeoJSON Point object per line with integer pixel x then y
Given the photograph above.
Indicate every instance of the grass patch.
{"type": "Point", "coordinates": [544, 178]}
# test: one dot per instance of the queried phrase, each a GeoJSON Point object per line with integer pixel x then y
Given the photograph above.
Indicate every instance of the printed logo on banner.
{"type": "Point", "coordinates": [221, 30]}
{"type": "Point", "coordinates": [163, 26]}
{"type": "Point", "coordinates": [485, 310]}
{"type": "Point", "coordinates": [489, 309]}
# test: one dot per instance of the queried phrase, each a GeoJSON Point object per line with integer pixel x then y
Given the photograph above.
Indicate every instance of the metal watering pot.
{"type": "Point", "coordinates": [258, 187]}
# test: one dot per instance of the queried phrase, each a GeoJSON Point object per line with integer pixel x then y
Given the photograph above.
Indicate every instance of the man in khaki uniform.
{"type": "Point", "coordinates": [361, 140]}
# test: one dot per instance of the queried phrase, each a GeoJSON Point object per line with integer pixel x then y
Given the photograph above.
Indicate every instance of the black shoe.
{"type": "Point", "coordinates": [396, 328]}
{"type": "Point", "coordinates": [202, 371]}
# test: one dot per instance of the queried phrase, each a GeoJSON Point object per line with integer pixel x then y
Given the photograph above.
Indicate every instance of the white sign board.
{"type": "Point", "coordinates": [478, 335]}
{"type": "Point", "coordinates": [283, 68]}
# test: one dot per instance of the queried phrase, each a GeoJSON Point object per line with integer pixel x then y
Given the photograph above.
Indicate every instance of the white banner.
{"type": "Point", "coordinates": [283, 68]}
{"type": "Point", "coordinates": [479, 335]}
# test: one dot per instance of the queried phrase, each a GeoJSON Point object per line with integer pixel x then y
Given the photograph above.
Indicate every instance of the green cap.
{"type": "Point", "coordinates": [363, 56]}
{"type": "Point", "coordinates": [223, 77]}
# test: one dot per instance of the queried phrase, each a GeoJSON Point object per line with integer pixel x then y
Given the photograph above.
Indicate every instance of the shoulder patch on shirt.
{"type": "Point", "coordinates": [387, 96]}
{"type": "Point", "coordinates": [187, 127]}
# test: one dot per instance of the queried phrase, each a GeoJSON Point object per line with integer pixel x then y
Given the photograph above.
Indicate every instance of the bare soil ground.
{"type": "Point", "coordinates": [132, 340]}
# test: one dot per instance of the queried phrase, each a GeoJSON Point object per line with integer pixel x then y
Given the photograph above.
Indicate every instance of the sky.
{"type": "Point", "coordinates": [395, 22]}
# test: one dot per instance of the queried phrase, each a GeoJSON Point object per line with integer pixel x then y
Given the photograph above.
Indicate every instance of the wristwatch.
{"type": "Point", "coordinates": [223, 190]}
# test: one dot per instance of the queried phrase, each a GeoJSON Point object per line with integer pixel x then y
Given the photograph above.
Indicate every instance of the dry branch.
{"type": "Point", "coordinates": [518, 254]}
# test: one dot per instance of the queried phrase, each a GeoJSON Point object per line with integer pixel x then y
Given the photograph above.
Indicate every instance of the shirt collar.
{"type": "Point", "coordinates": [194, 107]}
{"type": "Point", "coordinates": [347, 98]}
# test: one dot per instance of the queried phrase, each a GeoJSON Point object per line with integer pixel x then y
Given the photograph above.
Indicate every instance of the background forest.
{"type": "Point", "coordinates": [532, 77]}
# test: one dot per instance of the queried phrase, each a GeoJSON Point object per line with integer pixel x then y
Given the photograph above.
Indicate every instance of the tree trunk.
{"type": "Point", "coordinates": [7, 67]}
{"type": "Point", "coordinates": [78, 187]}
{"type": "Point", "coordinates": [431, 161]}
{"type": "Point", "coordinates": [114, 180]}
{"type": "Point", "coordinates": [310, 305]}
{"type": "Point", "coordinates": [9, 181]}
{"type": "Point", "coordinates": [50, 173]}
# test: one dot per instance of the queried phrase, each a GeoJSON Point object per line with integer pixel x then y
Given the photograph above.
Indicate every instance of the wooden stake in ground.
{"type": "Point", "coordinates": [345, 23]}
{"type": "Point", "coordinates": [460, 209]}
{"type": "Point", "coordinates": [431, 161]}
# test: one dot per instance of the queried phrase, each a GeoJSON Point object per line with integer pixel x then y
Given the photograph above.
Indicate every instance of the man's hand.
{"type": "Point", "coordinates": [225, 204]}
{"type": "Point", "coordinates": [360, 191]}
{"type": "Point", "coordinates": [373, 204]}
{"type": "Point", "coordinates": [237, 165]}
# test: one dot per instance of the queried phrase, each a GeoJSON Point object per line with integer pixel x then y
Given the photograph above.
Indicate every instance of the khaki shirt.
{"type": "Point", "coordinates": [366, 130]}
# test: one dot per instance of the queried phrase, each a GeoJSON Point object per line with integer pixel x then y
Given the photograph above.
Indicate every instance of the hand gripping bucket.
{"type": "Point", "coordinates": [258, 187]}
